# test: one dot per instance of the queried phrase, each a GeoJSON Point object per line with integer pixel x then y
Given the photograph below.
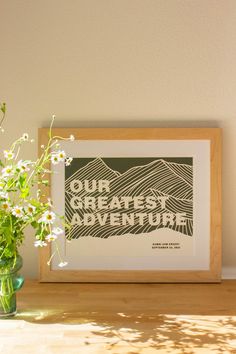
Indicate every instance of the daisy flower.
{"type": "Point", "coordinates": [6, 206]}
{"type": "Point", "coordinates": [25, 137]}
{"type": "Point", "coordinates": [48, 217]}
{"type": "Point", "coordinates": [9, 155]}
{"type": "Point", "coordinates": [61, 155]}
{"type": "Point", "coordinates": [40, 243]}
{"type": "Point", "coordinates": [57, 231]}
{"type": "Point", "coordinates": [7, 171]}
{"type": "Point", "coordinates": [17, 211]}
{"type": "Point", "coordinates": [54, 159]}
{"type": "Point", "coordinates": [23, 166]}
{"type": "Point", "coordinates": [51, 237]}
{"type": "Point", "coordinates": [30, 209]}
{"type": "Point", "coordinates": [4, 195]}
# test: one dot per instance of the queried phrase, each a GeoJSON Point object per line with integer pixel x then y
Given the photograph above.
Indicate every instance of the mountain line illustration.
{"type": "Point", "coordinates": [104, 200]}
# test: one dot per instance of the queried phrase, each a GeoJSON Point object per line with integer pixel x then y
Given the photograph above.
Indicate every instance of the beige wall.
{"type": "Point", "coordinates": [120, 63]}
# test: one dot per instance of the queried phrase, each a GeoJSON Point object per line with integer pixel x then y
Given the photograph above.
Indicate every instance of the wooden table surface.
{"type": "Point", "coordinates": [122, 318]}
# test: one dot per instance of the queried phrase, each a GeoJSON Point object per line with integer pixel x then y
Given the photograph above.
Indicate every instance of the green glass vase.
{"type": "Point", "coordinates": [10, 282]}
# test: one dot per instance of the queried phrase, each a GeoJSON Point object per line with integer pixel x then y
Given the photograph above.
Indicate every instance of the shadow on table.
{"type": "Point", "coordinates": [172, 333]}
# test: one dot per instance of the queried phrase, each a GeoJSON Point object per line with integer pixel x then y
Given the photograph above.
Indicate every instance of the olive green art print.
{"type": "Point", "coordinates": [113, 197]}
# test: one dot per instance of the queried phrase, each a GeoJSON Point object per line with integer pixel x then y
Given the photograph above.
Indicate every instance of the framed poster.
{"type": "Point", "coordinates": [144, 205]}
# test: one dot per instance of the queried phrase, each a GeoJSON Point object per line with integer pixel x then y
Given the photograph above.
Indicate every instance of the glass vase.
{"type": "Point", "coordinates": [10, 282]}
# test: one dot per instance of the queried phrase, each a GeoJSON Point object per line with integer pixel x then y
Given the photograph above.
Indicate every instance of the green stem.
{"type": "Point", "coordinates": [6, 291]}
{"type": "Point", "coordinates": [3, 109]}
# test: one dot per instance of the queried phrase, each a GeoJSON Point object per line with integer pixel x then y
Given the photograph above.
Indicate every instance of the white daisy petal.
{"type": "Point", "coordinates": [54, 159]}
{"type": "Point", "coordinates": [7, 171]}
{"type": "Point", "coordinates": [6, 206]}
{"type": "Point", "coordinates": [57, 231]}
{"type": "Point", "coordinates": [30, 209]}
{"type": "Point", "coordinates": [48, 217]}
{"type": "Point", "coordinates": [17, 211]}
{"type": "Point", "coordinates": [40, 243]}
{"type": "Point", "coordinates": [9, 155]}
{"type": "Point", "coordinates": [25, 137]}
{"type": "Point", "coordinates": [23, 166]}
{"type": "Point", "coordinates": [51, 237]}
{"type": "Point", "coordinates": [4, 195]}
{"type": "Point", "coordinates": [61, 155]}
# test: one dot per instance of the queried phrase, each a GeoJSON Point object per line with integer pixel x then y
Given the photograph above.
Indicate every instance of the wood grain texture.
{"type": "Point", "coordinates": [214, 272]}
{"type": "Point", "coordinates": [122, 318]}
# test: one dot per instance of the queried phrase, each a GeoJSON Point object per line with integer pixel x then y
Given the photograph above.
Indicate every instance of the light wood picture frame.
{"type": "Point", "coordinates": [150, 210]}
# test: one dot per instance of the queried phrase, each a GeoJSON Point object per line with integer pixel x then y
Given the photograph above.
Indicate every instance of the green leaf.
{"type": "Point", "coordinates": [45, 182]}
{"type": "Point", "coordinates": [22, 180]}
{"type": "Point", "coordinates": [34, 224]}
{"type": "Point", "coordinates": [35, 203]}
{"type": "Point", "coordinates": [3, 107]}
{"type": "Point", "coordinates": [24, 193]}
{"type": "Point", "coordinates": [10, 182]}
{"type": "Point", "coordinates": [7, 234]}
